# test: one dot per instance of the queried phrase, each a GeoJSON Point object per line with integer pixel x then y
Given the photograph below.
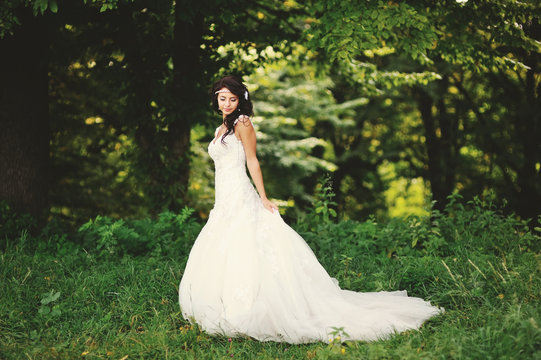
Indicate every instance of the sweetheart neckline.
{"type": "Point", "coordinates": [213, 142]}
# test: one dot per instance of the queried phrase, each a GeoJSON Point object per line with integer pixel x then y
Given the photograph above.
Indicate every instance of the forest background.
{"type": "Point", "coordinates": [105, 105]}
{"type": "Point", "coordinates": [400, 138]}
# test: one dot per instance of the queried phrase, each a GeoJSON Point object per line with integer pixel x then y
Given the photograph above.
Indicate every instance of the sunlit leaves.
{"type": "Point", "coordinates": [472, 34]}
{"type": "Point", "coordinates": [344, 29]}
{"type": "Point", "coordinates": [9, 17]}
{"type": "Point", "coordinates": [39, 6]}
{"type": "Point", "coordinates": [376, 81]}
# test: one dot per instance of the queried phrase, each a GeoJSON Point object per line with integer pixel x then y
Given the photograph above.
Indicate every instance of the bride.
{"type": "Point", "coordinates": [250, 274]}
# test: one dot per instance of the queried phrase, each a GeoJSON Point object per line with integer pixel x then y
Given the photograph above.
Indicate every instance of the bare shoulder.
{"type": "Point", "coordinates": [244, 120]}
{"type": "Point", "coordinates": [244, 124]}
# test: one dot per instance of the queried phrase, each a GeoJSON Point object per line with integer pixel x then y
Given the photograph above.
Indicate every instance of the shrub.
{"type": "Point", "coordinates": [170, 234]}
{"type": "Point", "coordinates": [13, 223]}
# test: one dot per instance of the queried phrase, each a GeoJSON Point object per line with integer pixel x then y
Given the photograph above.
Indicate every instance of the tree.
{"type": "Point", "coordinates": [164, 55]}
{"type": "Point", "coordinates": [24, 123]}
{"type": "Point", "coordinates": [464, 43]}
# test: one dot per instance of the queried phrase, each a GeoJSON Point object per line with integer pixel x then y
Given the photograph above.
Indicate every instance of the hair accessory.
{"type": "Point", "coordinates": [223, 91]}
{"type": "Point", "coordinates": [246, 94]}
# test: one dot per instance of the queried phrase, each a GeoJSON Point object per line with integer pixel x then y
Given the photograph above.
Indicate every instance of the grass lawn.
{"type": "Point", "coordinates": [65, 302]}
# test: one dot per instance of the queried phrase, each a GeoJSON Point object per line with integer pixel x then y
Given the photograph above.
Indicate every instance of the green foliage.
{"type": "Point", "coordinates": [46, 308]}
{"type": "Point", "coordinates": [424, 30]}
{"type": "Point", "coordinates": [308, 125]}
{"type": "Point", "coordinates": [343, 29]}
{"type": "Point", "coordinates": [201, 187]}
{"type": "Point", "coordinates": [438, 90]}
{"type": "Point", "coordinates": [322, 211]}
{"type": "Point", "coordinates": [93, 169]}
{"type": "Point", "coordinates": [167, 235]}
{"type": "Point", "coordinates": [470, 67]}
{"type": "Point", "coordinates": [290, 103]}
{"type": "Point", "coordinates": [120, 84]}
{"type": "Point", "coordinates": [13, 223]}
{"type": "Point", "coordinates": [323, 206]}
{"type": "Point", "coordinates": [40, 6]}
{"type": "Point", "coordinates": [10, 11]}
{"type": "Point", "coordinates": [480, 225]}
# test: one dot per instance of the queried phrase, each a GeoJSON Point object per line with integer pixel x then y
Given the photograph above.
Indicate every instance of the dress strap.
{"type": "Point", "coordinates": [242, 118]}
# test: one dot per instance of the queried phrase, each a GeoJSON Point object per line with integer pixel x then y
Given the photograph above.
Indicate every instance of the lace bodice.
{"type": "Point", "coordinates": [227, 154]}
{"type": "Point", "coordinates": [231, 180]}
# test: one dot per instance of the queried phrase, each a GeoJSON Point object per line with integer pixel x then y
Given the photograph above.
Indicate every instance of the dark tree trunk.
{"type": "Point", "coordinates": [24, 126]}
{"type": "Point", "coordinates": [164, 140]}
{"type": "Point", "coordinates": [440, 134]}
{"type": "Point", "coordinates": [529, 177]}
{"type": "Point", "coordinates": [188, 93]}
{"type": "Point", "coordinates": [529, 133]}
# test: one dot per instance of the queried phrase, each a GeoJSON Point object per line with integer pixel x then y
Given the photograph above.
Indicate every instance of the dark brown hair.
{"type": "Point", "coordinates": [245, 107]}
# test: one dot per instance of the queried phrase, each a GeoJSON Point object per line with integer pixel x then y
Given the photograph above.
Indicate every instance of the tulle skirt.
{"type": "Point", "coordinates": [251, 274]}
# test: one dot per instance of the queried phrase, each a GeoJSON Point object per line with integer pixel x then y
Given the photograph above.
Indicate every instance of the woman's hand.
{"type": "Point", "coordinates": [269, 205]}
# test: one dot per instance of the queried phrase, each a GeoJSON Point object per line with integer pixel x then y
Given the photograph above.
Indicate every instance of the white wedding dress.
{"type": "Point", "coordinates": [249, 273]}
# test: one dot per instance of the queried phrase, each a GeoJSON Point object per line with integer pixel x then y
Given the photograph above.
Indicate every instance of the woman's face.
{"type": "Point", "coordinates": [227, 101]}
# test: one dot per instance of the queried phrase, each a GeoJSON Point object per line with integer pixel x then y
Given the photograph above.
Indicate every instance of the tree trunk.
{"type": "Point", "coordinates": [529, 132]}
{"type": "Point", "coordinates": [439, 148]}
{"type": "Point", "coordinates": [188, 94]}
{"type": "Point", "coordinates": [24, 126]}
{"type": "Point", "coordinates": [164, 148]}
{"type": "Point", "coordinates": [529, 177]}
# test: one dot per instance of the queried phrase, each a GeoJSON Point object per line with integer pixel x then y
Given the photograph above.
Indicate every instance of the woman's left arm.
{"type": "Point", "coordinates": [246, 132]}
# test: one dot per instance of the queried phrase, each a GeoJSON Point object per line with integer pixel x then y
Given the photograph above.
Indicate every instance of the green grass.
{"type": "Point", "coordinates": [122, 306]}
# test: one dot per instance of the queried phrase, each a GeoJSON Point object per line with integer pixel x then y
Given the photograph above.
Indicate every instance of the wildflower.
{"type": "Point", "coordinates": [84, 353]}
{"type": "Point", "coordinates": [343, 351]}
{"type": "Point", "coordinates": [229, 339]}
{"type": "Point", "coordinates": [501, 296]}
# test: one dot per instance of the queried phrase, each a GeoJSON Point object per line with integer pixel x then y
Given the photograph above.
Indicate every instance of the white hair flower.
{"type": "Point", "coordinates": [246, 94]}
